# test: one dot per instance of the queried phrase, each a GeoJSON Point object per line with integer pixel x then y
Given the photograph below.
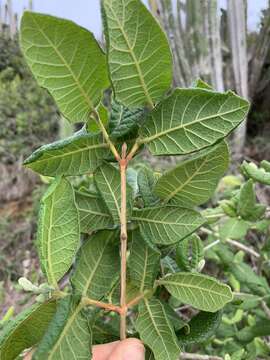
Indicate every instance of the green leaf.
{"type": "Point", "coordinates": [97, 265]}
{"type": "Point", "coordinates": [139, 56]}
{"type": "Point", "coordinates": [92, 212]}
{"type": "Point", "coordinates": [247, 207]}
{"type": "Point", "coordinates": [146, 182]}
{"type": "Point", "coordinates": [256, 173]}
{"type": "Point", "coordinates": [234, 229]}
{"type": "Point", "coordinates": [66, 60]}
{"type": "Point", "coordinates": [194, 181]}
{"type": "Point", "coordinates": [167, 225]}
{"type": "Point", "coordinates": [58, 230]}
{"type": "Point", "coordinates": [175, 319]}
{"type": "Point", "coordinates": [124, 120]}
{"type": "Point", "coordinates": [156, 330]}
{"type": "Point", "coordinates": [32, 322]}
{"type": "Point", "coordinates": [108, 182]}
{"type": "Point", "coordinates": [190, 120]}
{"type": "Point", "coordinates": [76, 155]}
{"type": "Point", "coordinates": [189, 253]}
{"type": "Point", "coordinates": [92, 125]}
{"type": "Point", "coordinates": [68, 335]}
{"type": "Point", "coordinates": [202, 327]}
{"type": "Point", "coordinates": [201, 291]}
{"type": "Point", "coordinates": [247, 334]}
{"type": "Point", "coordinates": [143, 262]}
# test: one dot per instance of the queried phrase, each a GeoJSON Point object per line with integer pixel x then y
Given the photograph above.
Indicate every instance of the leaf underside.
{"type": "Point", "coordinates": [200, 291]}
{"type": "Point", "coordinates": [139, 55]}
{"type": "Point", "coordinates": [193, 182]}
{"type": "Point", "coordinates": [66, 60]}
{"type": "Point", "coordinates": [192, 119]}
{"type": "Point", "coordinates": [97, 265]}
{"type": "Point", "coordinates": [58, 230]}
{"type": "Point", "coordinates": [167, 225]}
{"type": "Point", "coordinates": [156, 331]}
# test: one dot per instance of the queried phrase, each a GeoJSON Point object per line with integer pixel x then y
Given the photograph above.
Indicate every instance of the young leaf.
{"type": "Point", "coordinates": [234, 228]}
{"type": "Point", "coordinates": [26, 330]}
{"type": "Point", "coordinates": [97, 265]}
{"type": "Point", "coordinates": [256, 173]}
{"type": "Point", "coordinates": [194, 181]}
{"type": "Point", "coordinates": [202, 85]}
{"type": "Point", "coordinates": [68, 335]}
{"type": "Point", "coordinates": [66, 60]}
{"type": "Point", "coordinates": [201, 291]}
{"type": "Point", "coordinates": [139, 55]}
{"type": "Point", "coordinates": [192, 119]}
{"type": "Point", "coordinates": [124, 120]}
{"type": "Point", "coordinates": [189, 253]}
{"type": "Point", "coordinates": [202, 327]}
{"type": "Point", "coordinates": [76, 155]}
{"type": "Point", "coordinates": [108, 181]}
{"type": "Point", "coordinates": [167, 225]}
{"type": "Point", "coordinates": [247, 207]}
{"type": "Point", "coordinates": [93, 213]}
{"type": "Point", "coordinates": [146, 182]}
{"type": "Point", "coordinates": [58, 230]}
{"type": "Point", "coordinates": [156, 331]}
{"type": "Point", "coordinates": [143, 262]}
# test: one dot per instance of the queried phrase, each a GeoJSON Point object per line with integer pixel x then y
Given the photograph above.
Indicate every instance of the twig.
{"type": "Point", "coordinates": [109, 307]}
{"type": "Point", "coordinates": [235, 243]}
{"type": "Point", "coordinates": [189, 356]}
{"type": "Point", "coordinates": [123, 238]}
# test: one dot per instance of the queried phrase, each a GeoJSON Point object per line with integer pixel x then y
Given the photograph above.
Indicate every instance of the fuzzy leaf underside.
{"type": "Point", "coordinates": [33, 322]}
{"type": "Point", "coordinates": [124, 120]}
{"type": "Point", "coordinates": [190, 120]}
{"type": "Point", "coordinates": [156, 331]}
{"type": "Point", "coordinates": [92, 212]}
{"type": "Point", "coordinates": [108, 181]}
{"type": "Point", "coordinates": [146, 183]}
{"type": "Point", "coordinates": [77, 155]}
{"type": "Point", "coordinates": [200, 291]}
{"type": "Point", "coordinates": [143, 262]}
{"type": "Point", "coordinates": [202, 327]}
{"type": "Point", "coordinates": [139, 55]}
{"type": "Point", "coordinates": [58, 230]}
{"type": "Point", "coordinates": [68, 335]}
{"type": "Point", "coordinates": [167, 225]}
{"type": "Point", "coordinates": [193, 182]}
{"type": "Point", "coordinates": [66, 60]}
{"type": "Point", "coordinates": [97, 265]}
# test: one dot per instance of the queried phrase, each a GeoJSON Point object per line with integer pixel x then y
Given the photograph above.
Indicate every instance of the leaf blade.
{"type": "Point", "coordinates": [159, 335]}
{"type": "Point", "coordinates": [97, 265]}
{"type": "Point", "coordinates": [190, 120]}
{"type": "Point", "coordinates": [168, 224]}
{"type": "Point", "coordinates": [140, 74]}
{"type": "Point", "coordinates": [193, 182]}
{"type": "Point", "coordinates": [53, 48]}
{"type": "Point", "coordinates": [58, 230]}
{"type": "Point", "coordinates": [200, 291]}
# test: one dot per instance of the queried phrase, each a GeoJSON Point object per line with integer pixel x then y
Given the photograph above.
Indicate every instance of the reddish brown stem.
{"type": "Point", "coordinates": [102, 305]}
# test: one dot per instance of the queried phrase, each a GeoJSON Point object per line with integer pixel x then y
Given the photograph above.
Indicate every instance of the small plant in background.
{"type": "Point", "coordinates": [156, 265]}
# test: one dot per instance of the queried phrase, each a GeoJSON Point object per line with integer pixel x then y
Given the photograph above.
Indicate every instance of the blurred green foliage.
{"type": "Point", "coordinates": [28, 115]}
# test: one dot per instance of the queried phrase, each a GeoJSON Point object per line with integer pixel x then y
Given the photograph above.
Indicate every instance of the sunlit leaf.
{"type": "Point", "coordinates": [190, 120]}
{"type": "Point", "coordinates": [139, 55]}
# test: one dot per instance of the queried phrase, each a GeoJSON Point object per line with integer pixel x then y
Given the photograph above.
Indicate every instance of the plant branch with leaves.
{"type": "Point", "coordinates": [115, 196]}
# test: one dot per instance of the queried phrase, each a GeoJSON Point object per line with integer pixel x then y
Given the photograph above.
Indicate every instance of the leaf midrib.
{"type": "Point", "coordinates": [76, 80]}
{"type": "Point", "coordinates": [137, 65]}
{"type": "Point", "coordinates": [183, 126]}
